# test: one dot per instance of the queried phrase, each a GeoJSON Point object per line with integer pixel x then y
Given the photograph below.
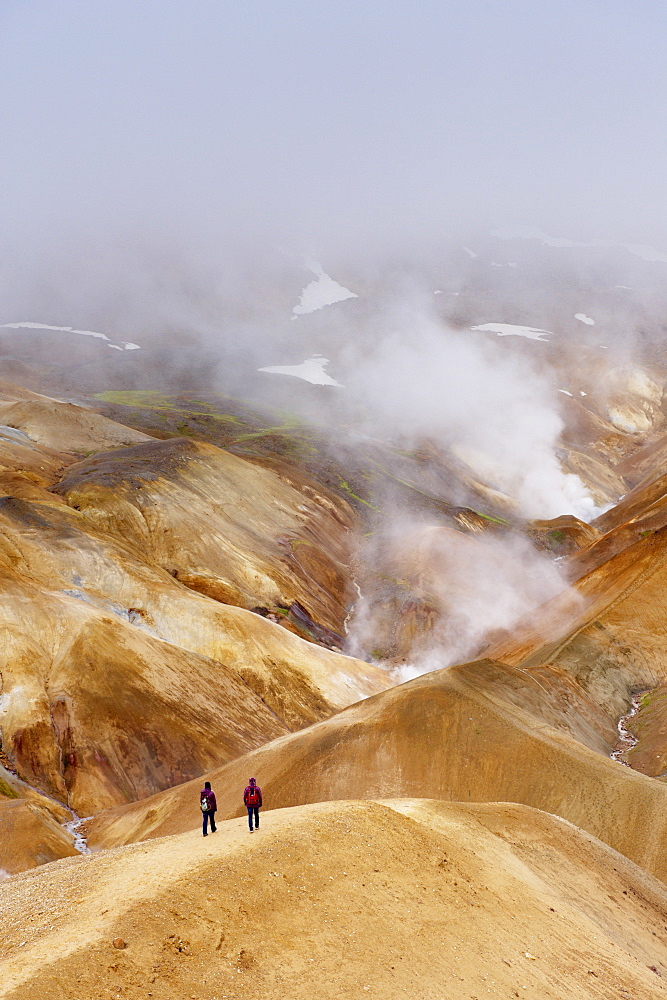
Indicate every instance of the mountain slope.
{"type": "Point", "coordinates": [407, 897]}
{"type": "Point", "coordinates": [475, 732]}
{"type": "Point", "coordinates": [132, 660]}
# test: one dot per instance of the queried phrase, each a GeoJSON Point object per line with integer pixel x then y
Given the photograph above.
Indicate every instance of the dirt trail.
{"type": "Point", "coordinates": [473, 732]}
{"type": "Point", "coordinates": [402, 898]}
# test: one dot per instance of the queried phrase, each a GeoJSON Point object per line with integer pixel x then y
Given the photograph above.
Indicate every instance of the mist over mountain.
{"type": "Point", "coordinates": [333, 444]}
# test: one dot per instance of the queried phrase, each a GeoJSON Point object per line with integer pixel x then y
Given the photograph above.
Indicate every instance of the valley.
{"type": "Point", "coordinates": [427, 683]}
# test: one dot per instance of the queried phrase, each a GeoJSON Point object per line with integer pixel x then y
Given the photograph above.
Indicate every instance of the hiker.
{"type": "Point", "coordinates": [252, 799]}
{"type": "Point", "coordinates": [208, 806]}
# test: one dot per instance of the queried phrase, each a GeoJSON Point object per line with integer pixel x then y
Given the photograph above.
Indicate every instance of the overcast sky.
{"type": "Point", "coordinates": [324, 120]}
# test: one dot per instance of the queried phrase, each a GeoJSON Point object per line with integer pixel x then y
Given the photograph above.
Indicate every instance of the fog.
{"type": "Point", "coordinates": [327, 124]}
{"type": "Point", "coordinates": [164, 162]}
{"type": "Point", "coordinates": [443, 213]}
{"type": "Point", "coordinates": [422, 379]}
{"type": "Point", "coordinates": [473, 586]}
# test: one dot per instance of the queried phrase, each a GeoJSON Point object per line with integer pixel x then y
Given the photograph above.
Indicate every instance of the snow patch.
{"type": "Point", "coordinates": [471, 253]}
{"type": "Point", "coordinates": [511, 330]}
{"type": "Point", "coordinates": [646, 253]}
{"type": "Point", "coordinates": [311, 370]}
{"type": "Point", "coordinates": [324, 291]}
{"type": "Point", "coordinates": [533, 233]}
{"type": "Point", "coordinates": [27, 325]}
{"type": "Point", "coordinates": [567, 392]}
{"type": "Point", "coordinates": [45, 326]}
{"type": "Point", "coordinates": [583, 318]}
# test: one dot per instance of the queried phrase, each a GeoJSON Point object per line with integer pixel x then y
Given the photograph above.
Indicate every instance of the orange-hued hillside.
{"type": "Point", "coordinates": [188, 596]}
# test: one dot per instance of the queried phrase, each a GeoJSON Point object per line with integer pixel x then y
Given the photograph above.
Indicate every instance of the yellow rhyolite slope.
{"type": "Point", "coordinates": [404, 898]}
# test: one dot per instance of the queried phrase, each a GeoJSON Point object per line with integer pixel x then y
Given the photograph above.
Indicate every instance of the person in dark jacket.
{"type": "Point", "coordinates": [252, 799]}
{"type": "Point", "coordinates": [208, 806]}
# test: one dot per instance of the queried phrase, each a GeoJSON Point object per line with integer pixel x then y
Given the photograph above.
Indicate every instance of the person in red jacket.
{"type": "Point", "coordinates": [208, 806]}
{"type": "Point", "coordinates": [252, 799]}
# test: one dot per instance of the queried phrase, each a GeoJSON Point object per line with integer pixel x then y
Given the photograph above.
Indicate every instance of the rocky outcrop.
{"type": "Point", "coordinates": [225, 527]}
{"type": "Point", "coordinates": [31, 824]}
{"type": "Point", "coordinates": [562, 535]}
{"type": "Point", "coordinates": [59, 425]}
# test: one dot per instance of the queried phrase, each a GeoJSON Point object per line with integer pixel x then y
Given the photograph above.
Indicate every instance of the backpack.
{"type": "Point", "coordinates": [205, 804]}
{"type": "Point", "coordinates": [253, 796]}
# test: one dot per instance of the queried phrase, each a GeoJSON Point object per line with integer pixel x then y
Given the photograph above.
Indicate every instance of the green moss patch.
{"type": "Point", "coordinates": [7, 790]}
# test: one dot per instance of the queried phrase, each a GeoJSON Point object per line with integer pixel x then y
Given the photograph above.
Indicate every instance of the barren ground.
{"type": "Point", "coordinates": [403, 898]}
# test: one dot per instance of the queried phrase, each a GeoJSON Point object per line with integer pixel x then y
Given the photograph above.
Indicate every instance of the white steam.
{"type": "Point", "coordinates": [494, 410]}
{"type": "Point", "coordinates": [477, 585]}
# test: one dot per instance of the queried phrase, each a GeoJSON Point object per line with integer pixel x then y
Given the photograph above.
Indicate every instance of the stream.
{"type": "Point", "coordinates": [74, 827]}
{"type": "Point", "coordinates": [626, 740]}
{"type": "Point", "coordinates": [353, 607]}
